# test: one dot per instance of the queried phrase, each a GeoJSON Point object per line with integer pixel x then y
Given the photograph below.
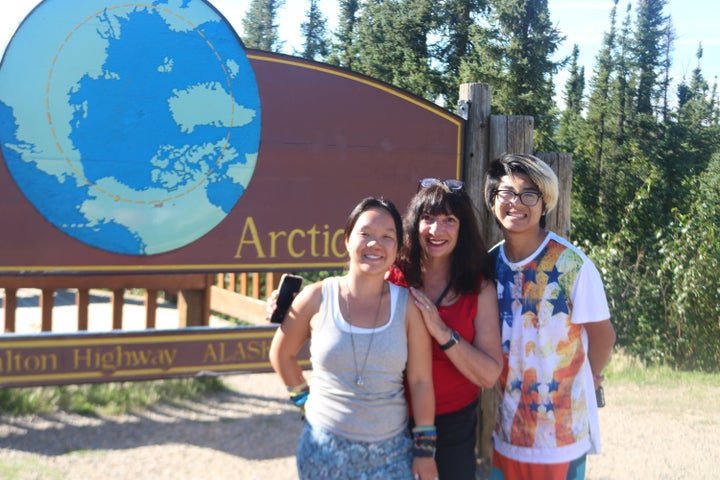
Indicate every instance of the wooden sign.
{"type": "Point", "coordinates": [145, 138]}
{"type": "Point", "coordinates": [58, 359]}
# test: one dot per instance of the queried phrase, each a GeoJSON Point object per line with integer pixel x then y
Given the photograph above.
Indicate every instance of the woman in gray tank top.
{"type": "Point", "coordinates": [365, 335]}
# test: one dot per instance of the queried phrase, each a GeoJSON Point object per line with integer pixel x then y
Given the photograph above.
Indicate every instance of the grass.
{"type": "Point", "coordinates": [103, 398]}
{"type": "Point", "coordinates": [117, 398]}
{"type": "Point", "coordinates": [18, 468]}
{"type": "Point", "coordinates": [626, 369]}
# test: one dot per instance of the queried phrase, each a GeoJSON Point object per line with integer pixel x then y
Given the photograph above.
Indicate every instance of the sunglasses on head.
{"type": "Point", "coordinates": [450, 183]}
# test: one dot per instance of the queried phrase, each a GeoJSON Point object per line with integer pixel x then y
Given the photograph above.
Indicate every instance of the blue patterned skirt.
{"type": "Point", "coordinates": [324, 455]}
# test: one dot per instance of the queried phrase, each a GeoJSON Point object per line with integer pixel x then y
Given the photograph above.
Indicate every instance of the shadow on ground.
{"type": "Point", "coordinates": [252, 426]}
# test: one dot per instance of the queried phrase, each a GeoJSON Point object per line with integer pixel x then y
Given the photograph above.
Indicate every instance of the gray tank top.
{"type": "Point", "coordinates": [377, 410]}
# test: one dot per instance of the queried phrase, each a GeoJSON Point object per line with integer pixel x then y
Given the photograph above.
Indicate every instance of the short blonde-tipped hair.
{"type": "Point", "coordinates": [511, 164]}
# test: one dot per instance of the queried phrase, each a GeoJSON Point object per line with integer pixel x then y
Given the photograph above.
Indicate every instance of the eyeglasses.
{"type": "Point", "coordinates": [451, 183]}
{"type": "Point", "coordinates": [529, 199]}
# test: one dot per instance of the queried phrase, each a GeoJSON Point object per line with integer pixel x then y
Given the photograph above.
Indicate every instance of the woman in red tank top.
{"type": "Point", "coordinates": [445, 262]}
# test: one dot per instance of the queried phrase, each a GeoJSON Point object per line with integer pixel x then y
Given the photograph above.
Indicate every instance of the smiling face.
{"type": "Point", "coordinates": [373, 241]}
{"type": "Point", "coordinates": [438, 234]}
{"type": "Point", "coordinates": [513, 215]}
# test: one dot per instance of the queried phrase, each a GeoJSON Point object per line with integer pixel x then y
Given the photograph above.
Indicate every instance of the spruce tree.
{"type": "Point", "coordinates": [514, 56]}
{"type": "Point", "coordinates": [650, 35]}
{"type": "Point", "coordinates": [341, 49]}
{"type": "Point", "coordinates": [315, 46]}
{"type": "Point", "coordinates": [572, 122]}
{"type": "Point", "coordinates": [693, 135]}
{"type": "Point", "coordinates": [589, 155]}
{"type": "Point", "coordinates": [391, 42]}
{"type": "Point", "coordinates": [260, 29]}
{"type": "Point", "coordinates": [456, 22]}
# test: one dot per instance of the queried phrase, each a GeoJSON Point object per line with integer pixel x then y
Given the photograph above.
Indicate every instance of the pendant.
{"type": "Point", "coordinates": [359, 381]}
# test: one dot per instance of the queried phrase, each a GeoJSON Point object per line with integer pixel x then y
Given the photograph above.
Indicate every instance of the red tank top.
{"type": "Point", "coordinates": [453, 390]}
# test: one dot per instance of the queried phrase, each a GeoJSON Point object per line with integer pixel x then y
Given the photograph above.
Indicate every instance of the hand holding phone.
{"type": "Point", "coordinates": [289, 287]}
{"type": "Point", "coordinates": [600, 396]}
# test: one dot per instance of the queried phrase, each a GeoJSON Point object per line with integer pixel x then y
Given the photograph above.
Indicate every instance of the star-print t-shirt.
{"type": "Point", "coordinates": [547, 412]}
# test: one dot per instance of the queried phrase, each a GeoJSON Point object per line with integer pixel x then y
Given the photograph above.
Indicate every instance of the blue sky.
{"type": "Point", "coordinates": [582, 21]}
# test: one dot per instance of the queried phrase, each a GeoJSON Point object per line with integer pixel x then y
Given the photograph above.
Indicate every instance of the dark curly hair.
{"type": "Point", "coordinates": [470, 259]}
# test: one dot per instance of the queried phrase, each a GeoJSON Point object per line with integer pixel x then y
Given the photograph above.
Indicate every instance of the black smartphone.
{"type": "Point", "coordinates": [600, 396]}
{"type": "Point", "coordinates": [289, 287]}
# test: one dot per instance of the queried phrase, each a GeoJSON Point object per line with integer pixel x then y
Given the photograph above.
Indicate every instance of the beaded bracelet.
{"type": "Point", "coordinates": [299, 395]}
{"type": "Point", "coordinates": [424, 441]}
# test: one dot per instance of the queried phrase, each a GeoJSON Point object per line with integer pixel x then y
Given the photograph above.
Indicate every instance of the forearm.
{"type": "Point", "coordinates": [476, 365]}
{"type": "Point", "coordinates": [479, 360]}
{"type": "Point", "coordinates": [289, 371]}
{"type": "Point", "coordinates": [601, 339]}
{"type": "Point", "coordinates": [284, 362]}
{"type": "Point", "coordinates": [422, 398]}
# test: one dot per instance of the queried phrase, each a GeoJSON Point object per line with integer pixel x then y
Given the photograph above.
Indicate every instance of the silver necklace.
{"type": "Point", "coordinates": [359, 373]}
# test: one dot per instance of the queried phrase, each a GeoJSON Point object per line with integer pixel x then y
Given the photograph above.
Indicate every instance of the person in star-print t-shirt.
{"type": "Point", "coordinates": [555, 327]}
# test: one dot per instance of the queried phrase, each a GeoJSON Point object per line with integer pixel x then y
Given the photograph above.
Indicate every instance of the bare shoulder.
{"type": "Point", "coordinates": [309, 296]}
{"type": "Point", "coordinates": [487, 286]}
{"type": "Point", "coordinates": [412, 312]}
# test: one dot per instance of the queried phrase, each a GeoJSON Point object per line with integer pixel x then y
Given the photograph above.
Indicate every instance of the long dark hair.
{"type": "Point", "coordinates": [470, 259]}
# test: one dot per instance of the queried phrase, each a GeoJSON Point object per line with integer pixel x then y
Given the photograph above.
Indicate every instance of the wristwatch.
{"type": "Point", "coordinates": [454, 339]}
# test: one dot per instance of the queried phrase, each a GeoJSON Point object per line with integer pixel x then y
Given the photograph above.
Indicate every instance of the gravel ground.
{"type": "Point", "coordinates": [250, 432]}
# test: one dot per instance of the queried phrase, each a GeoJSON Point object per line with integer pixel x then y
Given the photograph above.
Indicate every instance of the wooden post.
{"type": "Point", "coordinates": [511, 134]}
{"type": "Point", "coordinates": [255, 284]}
{"type": "Point", "coordinates": [559, 219]}
{"type": "Point", "coordinates": [82, 302]}
{"type": "Point", "coordinates": [194, 305]}
{"type": "Point", "coordinates": [243, 288]}
{"type": "Point", "coordinates": [474, 106]}
{"type": "Point", "coordinates": [150, 307]}
{"type": "Point", "coordinates": [272, 280]}
{"type": "Point", "coordinates": [486, 138]}
{"type": "Point", "coordinates": [47, 302]}
{"type": "Point", "coordinates": [10, 304]}
{"type": "Point", "coordinates": [118, 300]}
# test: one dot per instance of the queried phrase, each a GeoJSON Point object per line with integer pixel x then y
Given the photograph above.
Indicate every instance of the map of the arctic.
{"type": "Point", "coordinates": [131, 127]}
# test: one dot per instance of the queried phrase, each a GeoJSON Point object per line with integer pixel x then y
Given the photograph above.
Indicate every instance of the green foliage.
{"type": "Point", "coordinates": [633, 292]}
{"type": "Point", "coordinates": [260, 27]}
{"type": "Point", "coordinates": [455, 23]}
{"type": "Point", "coordinates": [691, 254]}
{"type": "Point", "coordinates": [315, 45]}
{"type": "Point", "coordinates": [391, 44]}
{"type": "Point", "coordinates": [317, 276]}
{"type": "Point", "coordinates": [650, 35]}
{"type": "Point", "coordinates": [646, 193]}
{"type": "Point", "coordinates": [665, 297]}
{"type": "Point", "coordinates": [341, 50]}
{"type": "Point", "coordinates": [103, 398]}
{"type": "Point", "coordinates": [513, 54]}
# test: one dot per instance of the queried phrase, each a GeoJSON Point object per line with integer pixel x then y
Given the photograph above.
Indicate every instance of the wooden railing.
{"type": "Point", "coordinates": [237, 295]}
{"type": "Point", "coordinates": [242, 295]}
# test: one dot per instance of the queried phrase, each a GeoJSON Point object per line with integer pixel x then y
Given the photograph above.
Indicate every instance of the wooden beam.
{"type": "Point", "coordinates": [82, 301]}
{"type": "Point", "coordinates": [47, 302]}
